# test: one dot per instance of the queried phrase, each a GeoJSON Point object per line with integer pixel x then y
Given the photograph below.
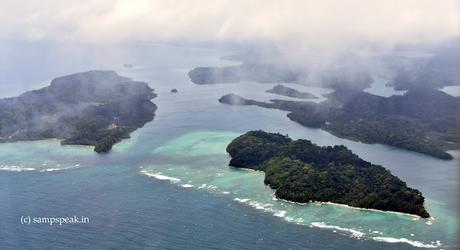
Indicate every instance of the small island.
{"type": "Point", "coordinates": [174, 91]}
{"type": "Point", "coordinates": [97, 108]}
{"type": "Point", "coordinates": [422, 120]}
{"type": "Point", "coordinates": [301, 171]}
{"type": "Point", "coordinates": [290, 92]}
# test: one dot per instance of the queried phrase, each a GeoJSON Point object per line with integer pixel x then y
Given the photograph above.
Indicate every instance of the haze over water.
{"type": "Point", "coordinates": [170, 186]}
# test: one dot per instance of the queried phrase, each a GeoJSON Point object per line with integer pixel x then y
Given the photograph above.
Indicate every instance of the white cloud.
{"type": "Point", "coordinates": [326, 22]}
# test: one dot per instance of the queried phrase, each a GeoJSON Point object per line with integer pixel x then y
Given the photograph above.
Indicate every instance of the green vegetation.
{"type": "Point", "coordinates": [290, 92]}
{"type": "Point", "coordinates": [301, 171]}
{"type": "Point", "coordinates": [98, 108]}
{"type": "Point", "coordinates": [423, 120]}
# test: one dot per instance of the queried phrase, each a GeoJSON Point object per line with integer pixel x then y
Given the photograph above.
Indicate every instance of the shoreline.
{"type": "Point", "coordinates": [352, 207]}
{"type": "Point", "coordinates": [417, 217]}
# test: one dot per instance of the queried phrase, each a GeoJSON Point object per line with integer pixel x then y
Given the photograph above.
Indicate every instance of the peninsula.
{"type": "Point", "coordinates": [423, 120]}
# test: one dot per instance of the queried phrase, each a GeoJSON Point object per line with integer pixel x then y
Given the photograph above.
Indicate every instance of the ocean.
{"type": "Point", "coordinates": [169, 186]}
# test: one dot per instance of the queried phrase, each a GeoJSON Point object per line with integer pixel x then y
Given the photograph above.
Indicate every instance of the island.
{"type": "Point", "coordinates": [257, 72]}
{"type": "Point", "coordinates": [174, 91]}
{"type": "Point", "coordinates": [97, 108]}
{"type": "Point", "coordinates": [422, 120]}
{"type": "Point", "coordinates": [334, 77]}
{"type": "Point", "coordinates": [290, 92]}
{"type": "Point", "coordinates": [301, 171]}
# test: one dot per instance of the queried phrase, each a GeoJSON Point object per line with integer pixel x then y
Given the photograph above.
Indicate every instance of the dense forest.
{"type": "Point", "coordinates": [301, 171]}
{"type": "Point", "coordinates": [422, 120]}
{"type": "Point", "coordinates": [98, 108]}
{"type": "Point", "coordinates": [290, 92]}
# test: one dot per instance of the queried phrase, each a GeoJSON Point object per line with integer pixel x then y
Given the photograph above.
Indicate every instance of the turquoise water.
{"type": "Point", "coordinates": [169, 185]}
{"type": "Point", "coordinates": [202, 164]}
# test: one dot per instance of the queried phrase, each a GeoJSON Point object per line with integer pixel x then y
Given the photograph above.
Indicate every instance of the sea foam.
{"type": "Point", "coordinates": [241, 200]}
{"type": "Point", "coordinates": [353, 232]}
{"type": "Point", "coordinates": [14, 168]}
{"type": "Point", "coordinates": [407, 241]}
{"type": "Point", "coordinates": [59, 169]}
{"type": "Point", "coordinates": [280, 214]}
{"type": "Point", "coordinates": [160, 176]}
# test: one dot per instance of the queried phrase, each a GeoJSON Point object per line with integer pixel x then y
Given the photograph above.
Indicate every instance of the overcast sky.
{"type": "Point", "coordinates": [324, 21]}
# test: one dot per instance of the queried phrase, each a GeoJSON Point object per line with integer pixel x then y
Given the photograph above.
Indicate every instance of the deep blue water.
{"type": "Point", "coordinates": [127, 209]}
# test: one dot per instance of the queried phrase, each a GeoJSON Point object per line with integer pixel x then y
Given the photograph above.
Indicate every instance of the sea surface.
{"type": "Point", "coordinates": [169, 186]}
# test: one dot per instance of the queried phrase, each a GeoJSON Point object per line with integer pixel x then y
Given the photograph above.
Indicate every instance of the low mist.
{"type": "Point", "coordinates": [342, 38]}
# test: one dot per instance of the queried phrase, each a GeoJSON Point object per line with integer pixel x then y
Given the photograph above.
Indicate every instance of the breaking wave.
{"type": "Point", "coordinates": [15, 168]}
{"type": "Point", "coordinates": [160, 176]}
{"type": "Point", "coordinates": [434, 244]}
{"type": "Point", "coordinates": [352, 232]}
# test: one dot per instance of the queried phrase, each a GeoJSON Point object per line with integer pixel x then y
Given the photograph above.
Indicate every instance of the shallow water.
{"type": "Point", "coordinates": [201, 163]}
{"type": "Point", "coordinates": [379, 87]}
{"type": "Point", "coordinates": [452, 90]}
{"type": "Point", "coordinates": [170, 186]}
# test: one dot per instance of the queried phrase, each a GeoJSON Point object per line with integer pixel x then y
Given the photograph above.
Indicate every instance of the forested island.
{"type": "Point", "coordinates": [336, 77]}
{"type": "Point", "coordinates": [97, 108]}
{"type": "Point", "coordinates": [290, 92]}
{"type": "Point", "coordinates": [435, 68]}
{"type": "Point", "coordinates": [422, 120]}
{"type": "Point", "coordinates": [301, 171]}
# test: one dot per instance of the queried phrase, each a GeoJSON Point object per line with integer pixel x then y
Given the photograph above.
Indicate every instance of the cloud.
{"type": "Point", "coordinates": [325, 23]}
